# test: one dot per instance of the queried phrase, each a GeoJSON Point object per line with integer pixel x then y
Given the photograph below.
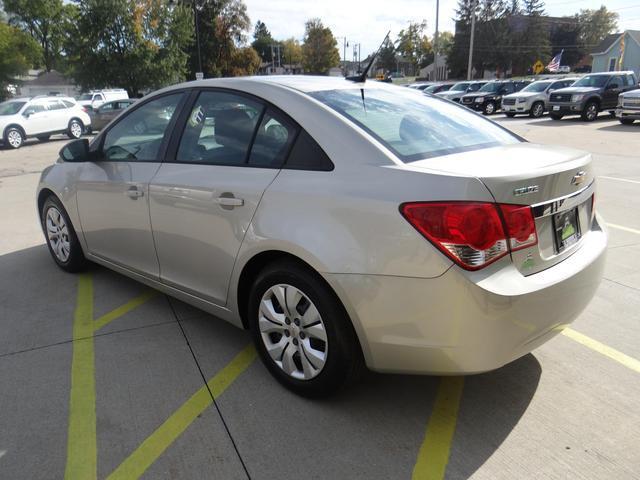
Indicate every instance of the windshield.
{"type": "Point", "coordinates": [432, 88]}
{"type": "Point", "coordinates": [11, 108]}
{"type": "Point", "coordinates": [86, 96]}
{"type": "Point", "coordinates": [460, 87]}
{"type": "Point", "coordinates": [536, 87]}
{"type": "Point", "coordinates": [490, 87]}
{"type": "Point", "coordinates": [415, 128]}
{"type": "Point", "coordinates": [592, 81]}
{"type": "Point", "coordinates": [474, 87]}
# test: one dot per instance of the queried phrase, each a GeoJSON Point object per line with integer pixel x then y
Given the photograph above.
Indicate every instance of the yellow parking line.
{"type": "Point", "coordinates": [81, 440]}
{"type": "Point", "coordinates": [434, 452]}
{"type": "Point", "coordinates": [149, 451]}
{"type": "Point", "coordinates": [626, 229]}
{"type": "Point", "coordinates": [121, 310]}
{"type": "Point", "coordinates": [605, 350]}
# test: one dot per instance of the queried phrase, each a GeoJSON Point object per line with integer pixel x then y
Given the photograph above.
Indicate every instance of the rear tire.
{"type": "Point", "coordinates": [75, 129]}
{"type": "Point", "coordinates": [13, 137]}
{"type": "Point", "coordinates": [556, 116]}
{"type": "Point", "coordinates": [293, 330]}
{"type": "Point", "coordinates": [61, 237]}
{"type": "Point", "coordinates": [590, 112]}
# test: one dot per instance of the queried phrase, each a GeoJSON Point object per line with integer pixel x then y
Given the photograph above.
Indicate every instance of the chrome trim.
{"type": "Point", "coordinates": [556, 205]}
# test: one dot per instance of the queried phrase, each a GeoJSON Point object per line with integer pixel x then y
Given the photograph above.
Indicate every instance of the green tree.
{"type": "Point", "coordinates": [319, 49]}
{"type": "Point", "coordinates": [595, 25]}
{"type": "Point", "coordinates": [262, 41]}
{"type": "Point", "coordinates": [18, 52]}
{"type": "Point", "coordinates": [243, 61]}
{"type": "Point", "coordinates": [387, 56]}
{"type": "Point", "coordinates": [223, 26]}
{"type": "Point", "coordinates": [568, 39]}
{"type": "Point", "coordinates": [459, 54]}
{"type": "Point", "coordinates": [47, 21]}
{"type": "Point", "coordinates": [533, 43]}
{"type": "Point", "coordinates": [134, 44]}
{"type": "Point", "coordinates": [414, 45]}
{"type": "Point", "coordinates": [445, 43]}
{"type": "Point", "coordinates": [291, 51]}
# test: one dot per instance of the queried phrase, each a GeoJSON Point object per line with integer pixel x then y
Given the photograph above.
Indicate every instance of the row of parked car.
{"type": "Point", "coordinates": [45, 115]}
{"type": "Point", "coordinates": [615, 92]}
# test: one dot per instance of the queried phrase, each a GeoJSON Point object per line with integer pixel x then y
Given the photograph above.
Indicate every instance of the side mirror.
{"type": "Point", "coordinates": [76, 151]}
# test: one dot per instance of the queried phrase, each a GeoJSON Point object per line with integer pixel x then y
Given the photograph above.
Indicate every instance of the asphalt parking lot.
{"type": "Point", "coordinates": [102, 378]}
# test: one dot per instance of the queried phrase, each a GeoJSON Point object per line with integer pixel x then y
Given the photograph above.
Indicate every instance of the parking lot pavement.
{"type": "Point", "coordinates": [104, 378]}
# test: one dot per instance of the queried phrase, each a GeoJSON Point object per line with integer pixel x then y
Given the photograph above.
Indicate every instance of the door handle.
{"type": "Point", "coordinates": [229, 201]}
{"type": "Point", "coordinates": [135, 191]}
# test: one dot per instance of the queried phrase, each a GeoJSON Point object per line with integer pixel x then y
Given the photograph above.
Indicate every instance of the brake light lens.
{"type": "Point", "coordinates": [473, 234]}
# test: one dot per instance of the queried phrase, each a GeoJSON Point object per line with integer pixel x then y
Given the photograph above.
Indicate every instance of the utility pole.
{"type": "Point", "coordinates": [435, 44]}
{"type": "Point", "coordinates": [195, 20]}
{"type": "Point", "coordinates": [345, 44]}
{"type": "Point", "coordinates": [473, 31]}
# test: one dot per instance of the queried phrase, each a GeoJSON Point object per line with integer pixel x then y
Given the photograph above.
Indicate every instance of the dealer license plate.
{"type": "Point", "coordinates": [556, 107]}
{"type": "Point", "coordinates": [566, 228]}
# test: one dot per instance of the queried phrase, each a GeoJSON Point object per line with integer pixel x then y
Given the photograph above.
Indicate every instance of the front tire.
{"type": "Point", "coordinates": [590, 112]}
{"type": "Point", "coordinates": [626, 121]}
{"type": "Point", "coordinates": [75, 129]}
{"type": "Point", "coordinates": [301, 330]}
{"type": "Point", "coordinates": [537, 110]}
{"type": "Point", "coordinates": [13, 137]}
{"type": "Point", "coordinates": [556, 116]}
{"type": "Point", "coordinates": [489, 108]}
{"type": "Point", "coordinates": [61, 237]}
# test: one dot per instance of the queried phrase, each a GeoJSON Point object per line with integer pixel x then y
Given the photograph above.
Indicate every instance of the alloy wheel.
{"type": "Point", "coordinates": [292, 331]}
{"type": "Point", "coordinates": [538, 110]}
{"type": "Point", "coordinates": [76, 129]}
{"type": "Point", "coordinates": [14, 137]}
{"type": "Point", "coordinates": [58, 234]}
{"type": "Point", "coordinates": [490, 108]}
{"type": "Point", "coordinates": [592, 111]}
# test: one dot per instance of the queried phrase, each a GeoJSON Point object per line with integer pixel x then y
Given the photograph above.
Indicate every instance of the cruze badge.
{"type": "Point", "coordinates": [525, 190]}
{"type": "Point", "coordinates": [579, 177]}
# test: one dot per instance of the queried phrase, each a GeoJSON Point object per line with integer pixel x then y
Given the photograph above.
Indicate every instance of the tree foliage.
{"type": "Point", "coordinates": [319, 49]}
{"type": "Point", "coordinates": [413, 44]}
{"type": "Point", "coordinates": [47, 21]}
{"type": "Point", "coordinates": [18, 52]}
{"type": "Point", "coordinates": [262, 41]}
{"type": "Point", "coordinates": [387, 56]}
{"type": "Point", "coordinates": [134, 44]}
{"type": "Point", "coordinates": [291, 51]}
{"type": "Point", "coordinates": [595, 25]}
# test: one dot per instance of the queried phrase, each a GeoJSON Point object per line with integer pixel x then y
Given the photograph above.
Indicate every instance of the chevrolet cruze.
{"type": "Point", "coordinates": [343, 223]}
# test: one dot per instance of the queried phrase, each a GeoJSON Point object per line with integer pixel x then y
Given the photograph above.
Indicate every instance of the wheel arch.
{"type": "Point", "coordinates": [595, 99]}
{"type": "Point", "coordinates": [259, 261]}
{"type": "Point", "coordinates": [14, 125]}
{"type": "Point", "coordinates": [76, 118]}
{"type": "Point", "coordinates": [43, 194]}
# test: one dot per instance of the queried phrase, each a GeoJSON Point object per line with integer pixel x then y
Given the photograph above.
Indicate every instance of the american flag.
{"type": "Point", "coordinates": [554, 64]}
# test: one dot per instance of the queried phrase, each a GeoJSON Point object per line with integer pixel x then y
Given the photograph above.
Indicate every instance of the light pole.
{"type": "Point", "coordinates": [473, 31]}
{"type": "Point", "coordinates": [345, 44]}
{"type": "Point", "coordinates": [195, 19]}
{"type": "Point", "coordinates": [435, 44]}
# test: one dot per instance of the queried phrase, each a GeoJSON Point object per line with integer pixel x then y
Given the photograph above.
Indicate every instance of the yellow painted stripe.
{"type": "Point", "coordinates": [626, 229]}
{"type": "Point", "coordinates": [434, 452]}
{"type": "Point", "coordinates": [122, 309]}
{"type": "Point", "coordinates": [81, 441]}
{"type": "Point", "coordinates": [605, 350]}
{"type": "Point", "coordinates": [149, 451]}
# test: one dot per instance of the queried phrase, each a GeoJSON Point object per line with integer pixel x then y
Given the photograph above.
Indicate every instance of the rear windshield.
{"type": "Point", "coordinates": [415, 126]}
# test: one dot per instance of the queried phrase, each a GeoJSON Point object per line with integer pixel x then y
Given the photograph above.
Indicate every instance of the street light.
{"type": "Point", "coordinates": [345, 44]}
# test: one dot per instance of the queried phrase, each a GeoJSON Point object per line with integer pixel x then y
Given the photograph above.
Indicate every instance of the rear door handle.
{"type": "Point", "coordinates": [229, 201]}
{"type": "Point", "coordinates": [135, 191]}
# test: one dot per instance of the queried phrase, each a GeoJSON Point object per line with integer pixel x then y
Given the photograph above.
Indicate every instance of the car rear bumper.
{"type": "Point", "coordinates": [468, 322]}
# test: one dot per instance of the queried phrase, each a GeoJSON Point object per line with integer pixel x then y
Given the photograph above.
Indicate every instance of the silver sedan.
{"type": "Point", "coordinates": [345, 224]}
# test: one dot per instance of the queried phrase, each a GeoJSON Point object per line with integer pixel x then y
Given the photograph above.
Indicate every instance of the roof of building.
{"type": "Point", "coordinates": [49, 78]}
{"type": "Point", "coordinates": [609, 40]}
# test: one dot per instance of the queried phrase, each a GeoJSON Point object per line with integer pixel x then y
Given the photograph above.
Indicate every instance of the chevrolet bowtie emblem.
{"type": "Point", "coordinates": [579, 177]}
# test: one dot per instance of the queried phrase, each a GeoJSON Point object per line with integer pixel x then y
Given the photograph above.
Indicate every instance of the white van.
{"type": "Point", "coordinates": [96, 98]}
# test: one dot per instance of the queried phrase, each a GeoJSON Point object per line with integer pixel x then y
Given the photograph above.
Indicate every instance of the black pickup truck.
{"type": "Point", "coordinates": [591, 94]}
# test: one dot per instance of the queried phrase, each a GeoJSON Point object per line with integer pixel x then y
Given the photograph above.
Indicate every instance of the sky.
{"type": "Point", "coordinates": [366, 22]}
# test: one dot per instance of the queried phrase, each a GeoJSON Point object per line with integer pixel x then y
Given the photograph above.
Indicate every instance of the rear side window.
{"type": "Point", "coordinates": [272, 142]}
{"type": "Point", "coordinates": [306, 154]}
{"type": "Point", "coordinates": [629, 79]}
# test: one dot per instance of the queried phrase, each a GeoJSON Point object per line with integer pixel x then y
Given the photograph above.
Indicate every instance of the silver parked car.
{"type": "Point", "coordinates": [628, 109]}
{"type": "Point", "coordinates": [456, 92]}
{"type": "Point", "coordinates": [342, 223]}
{"type": "Point", "coordinates": [534, 98]}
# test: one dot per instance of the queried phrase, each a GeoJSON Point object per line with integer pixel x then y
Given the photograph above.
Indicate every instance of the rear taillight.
{"type": "Point", "coordinates": [473, 234]}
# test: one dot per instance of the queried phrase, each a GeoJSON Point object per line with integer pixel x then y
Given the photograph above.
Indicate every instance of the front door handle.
{"type": "Point", "coordinates": [135, 191]}
{"type": "Point", "coordinates": [229, 201]}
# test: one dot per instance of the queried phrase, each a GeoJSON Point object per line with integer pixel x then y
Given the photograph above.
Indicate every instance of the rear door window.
{"type": "Point", "coordinates": [272, 141]}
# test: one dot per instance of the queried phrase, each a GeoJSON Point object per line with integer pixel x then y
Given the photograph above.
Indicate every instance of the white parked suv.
{"type": "Point", "coordinates": [96, 98]}
{"type": "Point", "coordinates": [41, 117]}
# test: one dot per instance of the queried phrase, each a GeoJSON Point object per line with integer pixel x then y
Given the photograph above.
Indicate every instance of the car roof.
{"type": "Point", "coordinates": [623, 72]}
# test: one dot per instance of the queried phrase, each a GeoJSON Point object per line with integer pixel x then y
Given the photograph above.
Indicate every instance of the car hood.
{"type": "Point", "coordinates": [632, 93]}
{"type": "Point", "coordinates": [577, 90]}
{"type": "Point", "coordinates": [450, 93]}
{"type": "Point", "coordinates": [523, 94]}
{"type": "Point", "coordinates": [481, 94]}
